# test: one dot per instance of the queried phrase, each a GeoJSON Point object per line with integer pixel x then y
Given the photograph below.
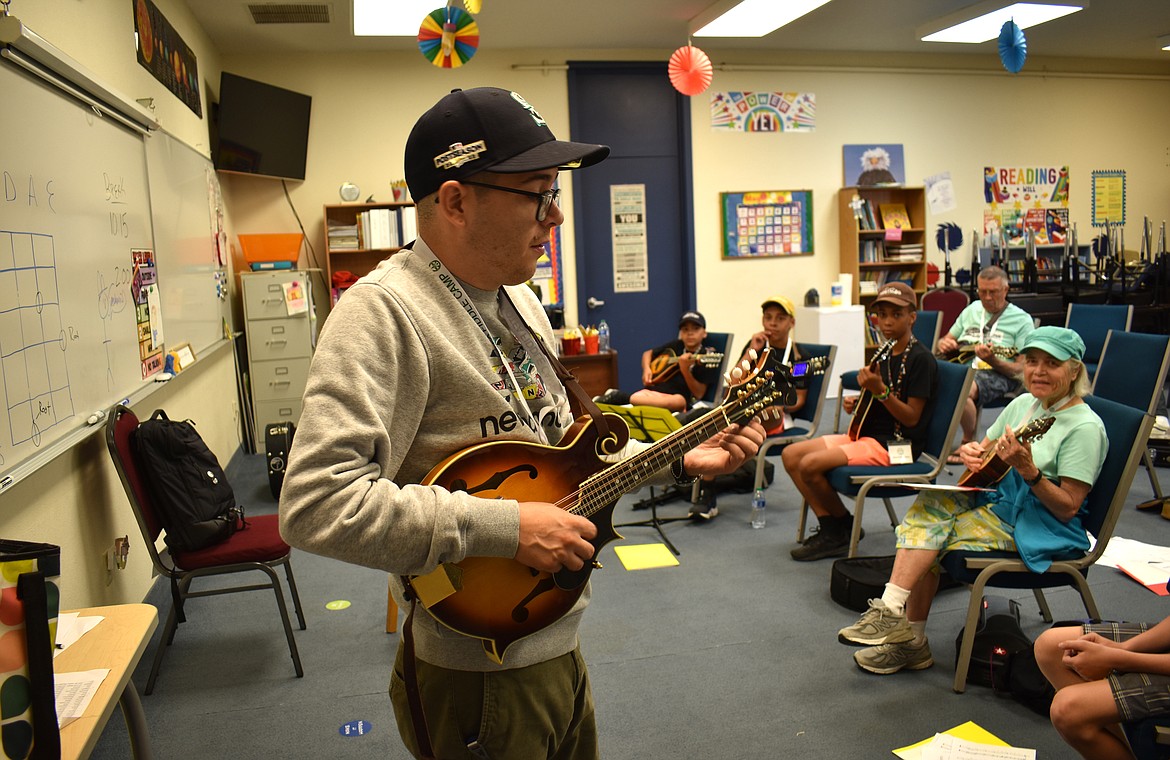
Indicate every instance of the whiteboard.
{"type": "Point", "coordinates": [76, 210]}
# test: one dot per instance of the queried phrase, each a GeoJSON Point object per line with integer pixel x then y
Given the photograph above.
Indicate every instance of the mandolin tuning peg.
{"type": "Point", "coordinates": [753, 355]}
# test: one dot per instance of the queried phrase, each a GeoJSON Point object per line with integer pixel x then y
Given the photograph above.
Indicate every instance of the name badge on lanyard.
{"type": "Point", "coordinates": [900, 452]}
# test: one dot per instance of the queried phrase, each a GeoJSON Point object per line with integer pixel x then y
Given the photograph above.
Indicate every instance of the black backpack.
{"type": "Point", "coordinates": [190, 491]}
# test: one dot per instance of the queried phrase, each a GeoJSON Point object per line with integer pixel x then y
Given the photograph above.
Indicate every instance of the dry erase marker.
{"type": "Point", "coordinates": [5, 481]}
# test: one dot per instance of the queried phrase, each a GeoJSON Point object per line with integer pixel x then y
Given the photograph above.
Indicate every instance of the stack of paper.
{"type": "Point", "coordinates": [968, 741]}
{"type": "Point", "coordinates": [1147, 564]}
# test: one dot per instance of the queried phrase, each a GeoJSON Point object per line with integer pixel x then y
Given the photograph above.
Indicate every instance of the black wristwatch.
{"type": "Point", "coordinates": [1033, 481]}
{"type": "Point", "coordinates": [680, 474]}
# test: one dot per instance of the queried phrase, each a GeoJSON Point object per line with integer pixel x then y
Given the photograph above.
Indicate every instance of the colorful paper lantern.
{"type": "Point", "coordinates": [690, 70]}
{"type": "Point", "coordinates": [1013, 48]}
{"type": "Point", "coordinates": [448, 37]}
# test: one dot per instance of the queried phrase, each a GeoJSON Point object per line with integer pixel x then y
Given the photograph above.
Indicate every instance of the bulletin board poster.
{"type": "Point", "coordinates": [764, 111]}
{"type": "Point", "coordinates": [1018, 199]}
{"type": "Point", "coordinates": [548, 274]}
{"type": "Point", "coordinates": [767, 223]}
{"type": "Point", "coordinates": [1108, 198]}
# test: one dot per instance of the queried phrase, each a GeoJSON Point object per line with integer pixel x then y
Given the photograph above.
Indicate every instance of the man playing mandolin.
{"type": "Point", "coordinates": [987, 332]}
{"type": "Point", "coordinates": [1034, 510]}
{"type": "Point", "coordinates": [440, 350]}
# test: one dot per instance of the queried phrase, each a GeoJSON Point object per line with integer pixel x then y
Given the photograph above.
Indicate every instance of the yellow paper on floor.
{"type": "Point", "coordinates": [645, 556]}
{"type": "Point", "coordinates": [970, 731]}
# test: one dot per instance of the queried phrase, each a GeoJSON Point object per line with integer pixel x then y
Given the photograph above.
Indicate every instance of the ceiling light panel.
{"type": "Point", "coordinates": [385, 18]}
{"type": "Point", "coordinates": [982, 22]}
{"type": "Point", "coordinates": [750, 18]}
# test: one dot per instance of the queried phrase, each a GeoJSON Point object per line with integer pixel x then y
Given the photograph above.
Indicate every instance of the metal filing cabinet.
{"type": "Point", "coordinates": [280, 344]}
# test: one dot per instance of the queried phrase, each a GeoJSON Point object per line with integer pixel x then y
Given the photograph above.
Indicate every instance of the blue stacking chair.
{"type": "Point", "coordinates": [927, 328]}
{"type": "Point", "coordinates": [1127, 429]}
{"type": "Point", "coordinates": [954, 383]}
{"type": "Point", "coordinates": [1093, 321]}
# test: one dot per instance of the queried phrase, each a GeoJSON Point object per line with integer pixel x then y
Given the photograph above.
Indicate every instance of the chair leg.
{"type": "Point", "coordinates": [164, 641]}
{"type": "Point", "coordinates": [837, 417]}
{"type": "Point", "coordinates": [1042, 603]}
{"type": "Point", "coordinates": [803, 521]}
{"type": "Point", "coordinates": [963, 657]}
{"type": "Point", "coordinates": [288, 632]}
{"type": "Point", "coordinates": [890, 511]}
{"type": "Point", "coordinates": [391, 610]}
{"type": "Point", "coordinates": [1154, 484]}
{"type": "Point", "coordinates": [296, 597]}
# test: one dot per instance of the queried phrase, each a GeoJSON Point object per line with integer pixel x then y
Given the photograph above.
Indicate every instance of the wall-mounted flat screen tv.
{"type": "Point", "coordinates": [260, 129]}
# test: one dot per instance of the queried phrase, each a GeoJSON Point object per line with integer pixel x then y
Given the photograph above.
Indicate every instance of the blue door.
{"type": "Point", "coordinates": [633, 109]}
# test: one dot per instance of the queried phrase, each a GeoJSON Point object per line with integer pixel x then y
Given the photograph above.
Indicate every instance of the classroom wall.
{"type": "Point", "coordinates": [76, 501]}
{"type": "Point", "coordinates": [953, 113]}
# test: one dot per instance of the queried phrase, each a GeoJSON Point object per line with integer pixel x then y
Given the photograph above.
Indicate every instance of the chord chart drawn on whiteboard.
{"type": "Point", "coordinates": [33, 337]}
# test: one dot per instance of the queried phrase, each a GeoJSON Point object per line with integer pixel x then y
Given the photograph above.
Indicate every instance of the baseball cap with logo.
{"type": "Point", "coordinates": [485, 129]}
{"type": "Point", "coordinates": [897, 293]}
{"type": "Point", "coordinates": [784, 304]}
{"type": "Point", "coordinates": [692, 316]}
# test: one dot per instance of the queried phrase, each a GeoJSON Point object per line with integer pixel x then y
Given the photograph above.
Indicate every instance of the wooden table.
{"type": "Point", "coordinates": [116, 643]}
{"type": "Point", "coordinates": [597, 373]}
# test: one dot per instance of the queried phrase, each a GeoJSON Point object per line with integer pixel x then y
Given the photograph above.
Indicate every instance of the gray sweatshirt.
{"type": "Point", "coordinates": [403, 376]}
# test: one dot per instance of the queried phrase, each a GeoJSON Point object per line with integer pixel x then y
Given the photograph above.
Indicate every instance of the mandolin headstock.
{"type": "Point", "coordinates": [752, 388]}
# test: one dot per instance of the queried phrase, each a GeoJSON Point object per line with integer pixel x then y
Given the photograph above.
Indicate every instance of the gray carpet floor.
{"type": "Point", "coordinates": [731, 654]}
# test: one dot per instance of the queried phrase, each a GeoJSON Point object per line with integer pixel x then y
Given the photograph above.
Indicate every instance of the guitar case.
{"type": "Point", "coordinates": [278, 439]}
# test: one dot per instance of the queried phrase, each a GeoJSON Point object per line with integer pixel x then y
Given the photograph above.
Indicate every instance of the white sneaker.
{"type": "Point", "coordinates": [879, 625]}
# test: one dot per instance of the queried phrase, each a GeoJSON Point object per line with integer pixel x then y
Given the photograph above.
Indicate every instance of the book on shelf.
{"type": "Point", "coordinates": [895, 216]}
{"type": "Point", "coordinates": [409, 224]}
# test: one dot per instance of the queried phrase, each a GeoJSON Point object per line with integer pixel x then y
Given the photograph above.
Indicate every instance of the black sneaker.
{"type": "Point", "coordinates": [613, 397]}
{"type": "Point", "coordinates": [827, 540]}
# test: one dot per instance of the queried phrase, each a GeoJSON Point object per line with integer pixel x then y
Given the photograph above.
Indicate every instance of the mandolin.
{"type": "Point", "coordinates": [994, 468]}
{"type": "Point", "coordinates": [965, 353]}
{"type": "Point", "coordinates": [663, 366]}
{"type": "Point", "coordinates": [500, 600]}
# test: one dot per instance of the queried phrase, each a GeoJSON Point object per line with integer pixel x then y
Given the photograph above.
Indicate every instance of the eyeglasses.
{"type": "Point", "coordinates": [546, 199]}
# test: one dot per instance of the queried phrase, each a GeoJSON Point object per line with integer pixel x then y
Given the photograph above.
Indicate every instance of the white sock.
{"type": "Point", "coordinates": [919, 628]}
{"type": "Point", "coordinates": [895, 598]}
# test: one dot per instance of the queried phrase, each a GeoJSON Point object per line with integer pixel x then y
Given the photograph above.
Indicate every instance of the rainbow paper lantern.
{"type": "Point", "coordinates": [690, 70]}
{"type": "Point", "coordinates": [448, 37]}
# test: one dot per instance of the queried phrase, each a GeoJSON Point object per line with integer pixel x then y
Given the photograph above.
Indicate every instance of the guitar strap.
{"type": "Point", "coordinates": [584, 401]}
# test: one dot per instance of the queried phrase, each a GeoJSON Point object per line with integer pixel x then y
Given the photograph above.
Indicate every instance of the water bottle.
{"type": "Point", "coordinates": [759, 518]}
{"type": "Point", "coordinates": [602, 336]}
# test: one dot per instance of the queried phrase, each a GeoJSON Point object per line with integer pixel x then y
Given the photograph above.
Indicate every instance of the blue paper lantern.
{"type": "Point", "coordinates": [1013, 48]}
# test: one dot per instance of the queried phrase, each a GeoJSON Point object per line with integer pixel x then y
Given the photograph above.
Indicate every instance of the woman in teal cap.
{"type": "Point", "coordinates": [1034, 510]}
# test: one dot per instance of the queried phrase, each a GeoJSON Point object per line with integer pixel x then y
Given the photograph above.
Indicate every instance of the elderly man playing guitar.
{"type": "Point", "coordinates": [988, 332]}
{"type": "Point", "coordinates": [1053, 445]}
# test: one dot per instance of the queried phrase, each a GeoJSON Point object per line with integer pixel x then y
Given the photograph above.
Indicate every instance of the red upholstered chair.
{"type": "Point", "coordinates": [949, 301]}
{"type": "Point", "coordinates": [258, 547]}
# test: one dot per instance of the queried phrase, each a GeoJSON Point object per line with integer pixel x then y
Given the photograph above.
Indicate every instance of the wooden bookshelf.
{"type": "Point", "coordinates": [358, 259]}
{"type": "Point", "coordinates": [869, 255]}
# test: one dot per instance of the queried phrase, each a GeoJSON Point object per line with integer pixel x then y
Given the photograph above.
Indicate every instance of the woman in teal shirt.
{"type": "Point", "coordinates": [1034, 510]}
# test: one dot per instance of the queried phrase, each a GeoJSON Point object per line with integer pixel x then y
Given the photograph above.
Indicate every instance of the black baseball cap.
{"type": "Point", "coordinates": [692, 316]}
{"type": "Point", "coordinates": [485, 129]}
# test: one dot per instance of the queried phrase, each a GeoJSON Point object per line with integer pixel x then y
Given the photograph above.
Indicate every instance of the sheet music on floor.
{"type": "Point", "coordinates": [75, 691]}
{"type": "Point", "coordinates": [947, 747]}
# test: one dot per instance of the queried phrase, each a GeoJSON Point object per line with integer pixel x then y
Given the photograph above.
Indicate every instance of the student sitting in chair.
{"type": "Point", "coordinates": [889, 422]}
{"type": "Point", "coordinates": [1034, 509]}
{"type": "Point", "coordinates": [675, 374]}
{"type": "Point", "coordinates": [779, 321]}
{"type": "Point", "coordinates": [1105, 673]}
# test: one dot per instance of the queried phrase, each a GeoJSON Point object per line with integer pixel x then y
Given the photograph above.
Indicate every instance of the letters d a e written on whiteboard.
{"type": "Point", "coordinates": [75, 214]}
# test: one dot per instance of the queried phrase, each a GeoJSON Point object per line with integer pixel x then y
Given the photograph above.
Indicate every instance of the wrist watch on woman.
{"type": "Point", "coordinates": [1033, 481]}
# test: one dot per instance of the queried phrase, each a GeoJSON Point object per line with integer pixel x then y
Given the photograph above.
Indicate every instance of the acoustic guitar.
{"type": "Point", "coordinates": [965, 353]}
{"type": "Point", "coordinates": [500, 600]}
{"type": "Point", "coordinates": [664, 365]}
{"type": "Point", "coordinates": [865, 400]}
{"type": "Point", "coordinates": [994, 468]}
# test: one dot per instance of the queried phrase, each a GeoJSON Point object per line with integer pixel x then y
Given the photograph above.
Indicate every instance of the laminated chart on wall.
{"type": "Point", "coordinates": [764, 111]}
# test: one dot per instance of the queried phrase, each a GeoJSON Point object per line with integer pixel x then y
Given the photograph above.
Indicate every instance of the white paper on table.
{"type": "Point", "coordinates": [946, 747]}
{"type": "Point", "coordinates": [75, 691]}
{"type": "Point", "coordinates": [71, 627]}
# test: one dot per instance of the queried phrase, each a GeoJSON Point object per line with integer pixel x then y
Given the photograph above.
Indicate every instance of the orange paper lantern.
{"type": "Point", "coordinates": [690, 70]}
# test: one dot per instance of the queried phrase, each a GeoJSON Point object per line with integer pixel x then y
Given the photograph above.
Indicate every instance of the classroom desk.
{"type": "Point", "coordinates": [116, 643]}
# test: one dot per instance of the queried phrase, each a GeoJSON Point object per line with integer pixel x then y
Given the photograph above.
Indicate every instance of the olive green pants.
{"type": "Point", "coordinates": [541, 711]}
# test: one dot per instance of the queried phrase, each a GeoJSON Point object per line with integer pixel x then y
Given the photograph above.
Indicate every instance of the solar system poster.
{"type": "Point", "coordinates": [163, 53]}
